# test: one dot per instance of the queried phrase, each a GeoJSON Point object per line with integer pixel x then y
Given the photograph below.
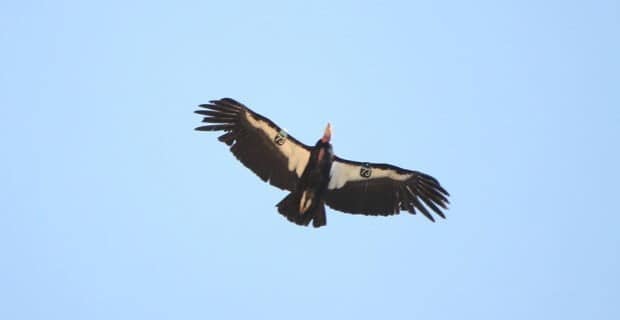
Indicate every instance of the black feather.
{"type": "Point", "coordinates": [215, 113]}
{"type": "Point", "coordinates": [215, 127]}
{"type": "Point", "coordinates": [218, 120]}
{"type": "Point", "coordinates": [228, 138]}
{"type": "Point", "coordinates": [229, 102]}
{"type": "Point", "coordinates": [433, 207]}
{"type": "Point", "coordinates": [422, 209]}
{"type": "Point", "coordinates": [224, 109]}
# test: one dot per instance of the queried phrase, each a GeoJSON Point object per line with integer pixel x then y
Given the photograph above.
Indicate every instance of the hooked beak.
{"type": "Point", "coordinates": [328, 133]}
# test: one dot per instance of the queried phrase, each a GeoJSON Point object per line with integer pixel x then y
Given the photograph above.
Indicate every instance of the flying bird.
{"type": "Point", "coordinates": [315, 176]}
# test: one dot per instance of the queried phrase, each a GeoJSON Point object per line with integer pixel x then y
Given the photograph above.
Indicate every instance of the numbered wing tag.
{"type": "Point", "coordinates": [280, 138]}
{"type": "Point", "coordinates": [365, 170]}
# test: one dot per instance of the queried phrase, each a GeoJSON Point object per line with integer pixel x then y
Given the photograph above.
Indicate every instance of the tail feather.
{"type": "Point", "coordinates": [319, 216]}
{"type": "Point", "coordinates": [289, 207]}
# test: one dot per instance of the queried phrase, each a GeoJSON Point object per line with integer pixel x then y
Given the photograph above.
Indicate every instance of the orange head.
{"type": "Point", "coordinates": [328, 134]}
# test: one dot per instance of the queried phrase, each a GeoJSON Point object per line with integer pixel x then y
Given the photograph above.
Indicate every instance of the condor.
{"type": "Point", "coordinates": [314, 175]}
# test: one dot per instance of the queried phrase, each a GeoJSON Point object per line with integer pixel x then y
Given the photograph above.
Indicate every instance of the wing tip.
{"type": "Point", "coordinates": [229, 102]}
{"type": "Point", "coordinates": [219, 127]}
{"type": "Point", "coordinates": [441, 214]}
{"type": "Point", "coordinates": [202, 128]}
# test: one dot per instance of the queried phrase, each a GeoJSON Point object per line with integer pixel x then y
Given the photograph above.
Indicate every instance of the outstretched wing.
{"type": "Point", "coordinates": [383, 189]}
{"type": "Point", "coordinates": [257, 142]}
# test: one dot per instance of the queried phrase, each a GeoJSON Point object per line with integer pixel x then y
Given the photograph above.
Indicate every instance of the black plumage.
{"type": "Point", "coordinates": [314, 175]}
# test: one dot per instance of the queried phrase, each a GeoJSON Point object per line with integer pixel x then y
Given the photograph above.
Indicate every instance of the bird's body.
{"type": "Point", "coordinates": [307, 201]}
{"type": "Point", "coordinates": [314, 175]}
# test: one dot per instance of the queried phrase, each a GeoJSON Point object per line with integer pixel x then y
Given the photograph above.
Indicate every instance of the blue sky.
{"type": "Point", "coordinates": [112, 207]}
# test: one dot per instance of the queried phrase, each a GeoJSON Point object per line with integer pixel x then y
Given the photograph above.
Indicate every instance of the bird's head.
{"type": "Point", "coordinates": [324, 146]}
{"type": "Point", "coordinates": [328, 134]}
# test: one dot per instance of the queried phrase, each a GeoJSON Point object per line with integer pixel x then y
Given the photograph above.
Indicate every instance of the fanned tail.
{"type": "Point", "coordinates": [290, 208]}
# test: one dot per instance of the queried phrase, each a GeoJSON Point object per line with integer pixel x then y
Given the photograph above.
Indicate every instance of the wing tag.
{"type": "Point", "coordinates": [365, 170]}
{"type": "Point", "coordinates": [280, 138]}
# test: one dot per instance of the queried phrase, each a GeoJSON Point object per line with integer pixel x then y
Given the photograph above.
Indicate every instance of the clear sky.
{"type": "Point", "coordinates": [112, 207]}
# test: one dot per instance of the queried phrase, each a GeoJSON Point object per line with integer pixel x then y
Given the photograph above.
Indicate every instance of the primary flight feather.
{"type": "Point", "coordinates": [314, 175]}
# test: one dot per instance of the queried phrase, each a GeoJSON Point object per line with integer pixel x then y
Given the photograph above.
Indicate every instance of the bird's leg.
{"type": "Point", "coordinates": [306, 201]}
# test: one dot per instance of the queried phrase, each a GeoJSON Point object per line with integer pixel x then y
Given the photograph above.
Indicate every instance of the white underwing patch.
{"type": "Point", "coordinates": [297, 155]}
{"type": "Point", "coordinates": [342, 172]}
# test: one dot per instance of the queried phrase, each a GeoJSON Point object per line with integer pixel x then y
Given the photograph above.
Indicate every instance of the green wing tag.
{"type": "Point", "coordinates": [280, 138]}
